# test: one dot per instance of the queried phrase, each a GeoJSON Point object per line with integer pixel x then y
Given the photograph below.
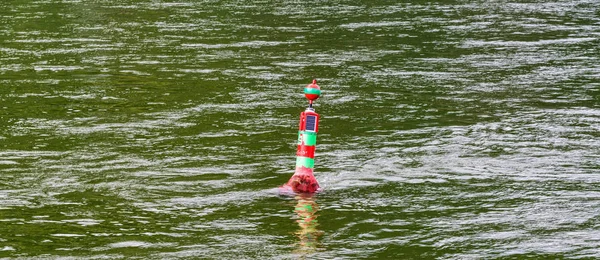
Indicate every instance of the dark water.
{"type": "Point", "coordinates": [158, 129]}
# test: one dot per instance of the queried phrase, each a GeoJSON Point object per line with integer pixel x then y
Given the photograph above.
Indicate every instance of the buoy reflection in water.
{"type": "Point", "coordinates": [309, 233]}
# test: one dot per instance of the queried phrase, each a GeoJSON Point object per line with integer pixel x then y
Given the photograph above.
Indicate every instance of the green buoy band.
{"type": "Point", "coordinates": [305, 161]}
{"type": "Point", "coordinates": [314, 91]}
{"type": "Point", "coordinates": [307, 138]}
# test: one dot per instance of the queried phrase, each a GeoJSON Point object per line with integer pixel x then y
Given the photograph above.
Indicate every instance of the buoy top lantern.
{"type": "Point", "coordinates": [312, 91]}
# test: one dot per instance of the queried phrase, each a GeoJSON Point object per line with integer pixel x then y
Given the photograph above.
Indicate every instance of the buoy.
{"type": "Point", "coordinates": [303, 180]}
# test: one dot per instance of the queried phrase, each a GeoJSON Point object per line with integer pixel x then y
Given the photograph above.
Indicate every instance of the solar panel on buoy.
{"type": "Point", "coordinates": [311, 123]}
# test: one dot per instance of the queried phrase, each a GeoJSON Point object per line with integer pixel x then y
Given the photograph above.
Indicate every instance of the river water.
{"type": "Point", "coordinates": [160, 129]}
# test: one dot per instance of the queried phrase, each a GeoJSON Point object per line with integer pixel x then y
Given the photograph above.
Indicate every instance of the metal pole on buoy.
{"type": "Point", "coordinates": [303, 180]}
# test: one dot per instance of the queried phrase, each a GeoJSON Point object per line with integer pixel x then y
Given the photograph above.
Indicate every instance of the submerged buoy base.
{"type": "Point", "coordinates": [303, 181]}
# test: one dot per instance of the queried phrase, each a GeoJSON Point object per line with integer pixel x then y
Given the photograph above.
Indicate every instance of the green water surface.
{"type": "Point", "coordinates": [160, 129]}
